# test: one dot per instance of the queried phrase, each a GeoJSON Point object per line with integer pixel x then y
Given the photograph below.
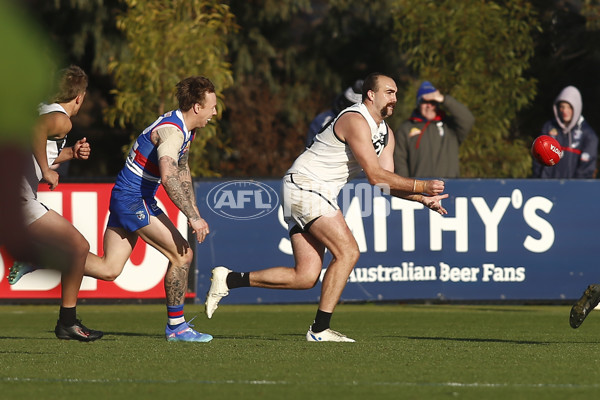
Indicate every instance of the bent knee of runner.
{"type": "Point", "coordinates": [307, 282]}
{"type": "Point", "coordinates": [181, 257]}
{"type": "Point", "coordinates": [347, 256]}
{"type": "Point", "coordinates": [307, 279]}
{"type": "Point", "coordinates": [183, 260]}
{"type": "Point", "coordinates": [74, 245]}
{"type": "Point", "coordinates": [83, 248]}
{"type": "Point", "coordinates": [75, 251]}
{"type": "Point", "coordinates": [111, 274]}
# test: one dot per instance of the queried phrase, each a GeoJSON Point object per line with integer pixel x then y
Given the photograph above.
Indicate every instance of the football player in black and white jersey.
{"type": "Point", "coordinates": [56, 243]}
{"type": "Point", "coordinates": [357, 140]}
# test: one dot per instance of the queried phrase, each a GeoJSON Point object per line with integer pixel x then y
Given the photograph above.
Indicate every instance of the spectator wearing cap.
{"type": "Point", "coordinates": [350, 96]}
{"type": "Point", "coordinates": [427, 143]}
{"type": "Point", "coordinates": [577, 139]}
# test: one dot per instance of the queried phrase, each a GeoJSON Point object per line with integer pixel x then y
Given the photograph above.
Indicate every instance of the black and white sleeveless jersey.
{"type": "Point", "coordinates": [53, 147]}
{"type": "Point", "coordinates": [330, 160]}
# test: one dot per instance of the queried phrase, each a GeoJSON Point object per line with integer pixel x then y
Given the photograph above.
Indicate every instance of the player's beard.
{"type": "Point", "coordinates": [384, 110]}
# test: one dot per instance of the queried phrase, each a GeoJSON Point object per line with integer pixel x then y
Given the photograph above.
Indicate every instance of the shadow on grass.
{"type": "Point", "coordinates": [27, 338]}
{"type": "Point", "coordinates": [112, 335]}
{"type": "Point", "coordinates": [479, 340]}
{"type": "Point", "coordinates": [134, 334]}
{"type": "Point", "coordinates": [244, 337]}
{"type": "Point", "coordinates": [53, 338]}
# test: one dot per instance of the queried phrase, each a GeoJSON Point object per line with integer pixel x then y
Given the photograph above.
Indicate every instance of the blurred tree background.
{"type": "Point", "coordinates": [278, 63]}
{"type": "Point", "coordinates": [164, 45]}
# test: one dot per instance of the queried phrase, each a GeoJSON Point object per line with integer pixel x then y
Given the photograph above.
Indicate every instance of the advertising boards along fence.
{"type": "Point", "coordinates": [502, 240]}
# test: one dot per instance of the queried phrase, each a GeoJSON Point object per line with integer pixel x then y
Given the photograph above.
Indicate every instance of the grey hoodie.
{"type": "Point", "coordinates": [571, 95]}
{"type": "Point", "coordinates": [577, 140]}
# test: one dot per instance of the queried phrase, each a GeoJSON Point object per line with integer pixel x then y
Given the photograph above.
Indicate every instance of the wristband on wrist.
{"type": "Point", "coordinates": [418, 186]}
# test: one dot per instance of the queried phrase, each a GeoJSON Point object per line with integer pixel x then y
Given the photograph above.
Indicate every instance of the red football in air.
{"type": "Point", "coordinates": [546, 150]}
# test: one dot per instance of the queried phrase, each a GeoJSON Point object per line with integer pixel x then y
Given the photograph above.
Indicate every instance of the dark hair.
{"type": "Point", "coordinates": [371, 82]}
{"type": "Point", "coordinates": [193, 90]}
{"type": "Point", "coordinates": [72, 81]}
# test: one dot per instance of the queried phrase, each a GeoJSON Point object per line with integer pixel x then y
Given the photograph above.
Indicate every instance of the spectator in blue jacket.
{"type": "Point", "coordinates": [578, 141]}
{"type": "Point", "coordinates": [353, 94]}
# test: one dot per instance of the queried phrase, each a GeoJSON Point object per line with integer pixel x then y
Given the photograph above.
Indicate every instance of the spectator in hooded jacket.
{"type": "Point", "coordinates": [578, 141]}
{"type": "Point", "coordinates": [427, 144]}
{"type": "Point", "coordinates": [352, 95]}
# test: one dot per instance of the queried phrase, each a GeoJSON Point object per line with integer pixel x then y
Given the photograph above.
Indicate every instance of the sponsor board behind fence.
{"type": "Point", "coordinates": [86, 206]}
{"type": "Point", "coordinates": [501, 240]}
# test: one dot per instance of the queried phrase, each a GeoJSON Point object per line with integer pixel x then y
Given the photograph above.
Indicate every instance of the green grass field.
{"type": "Point", "coordinates": [402, 352]}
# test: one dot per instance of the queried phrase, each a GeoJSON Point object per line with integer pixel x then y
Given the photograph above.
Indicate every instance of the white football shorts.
{"type": "Point", "coordinates": [304, 200]}
{"type": "Point", "coordinates": [33, 209]}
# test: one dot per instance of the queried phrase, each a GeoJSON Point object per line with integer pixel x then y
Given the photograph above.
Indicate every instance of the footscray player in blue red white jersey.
{"type": "Point", "coordinates": [141, 173]}
{"type": "Point", "coordinates": [142, 162]}
{"type": "Point", "coordinates": [160, 156]}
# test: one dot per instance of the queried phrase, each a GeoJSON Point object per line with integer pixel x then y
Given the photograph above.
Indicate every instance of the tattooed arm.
{"type": "Point", "coordinates": [177, 178]}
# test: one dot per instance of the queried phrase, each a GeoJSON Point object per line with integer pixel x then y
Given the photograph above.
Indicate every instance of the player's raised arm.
{"type": "Point", "coordinates": [355, 132]}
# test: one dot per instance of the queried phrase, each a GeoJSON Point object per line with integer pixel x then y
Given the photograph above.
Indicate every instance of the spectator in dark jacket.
{"type": "Point", "coordinates": [578, 141]}
{"type": "Point", "coordinates": [352, 94]}
{"type": "Point", "coordinates": [427, 144]}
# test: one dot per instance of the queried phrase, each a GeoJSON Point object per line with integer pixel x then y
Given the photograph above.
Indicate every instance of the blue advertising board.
{"type": "Point", "coordinates": [501, 240]}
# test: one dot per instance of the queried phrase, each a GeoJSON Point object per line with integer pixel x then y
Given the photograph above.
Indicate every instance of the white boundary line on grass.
{"type": "Point", "coordinates": [349, 383]}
